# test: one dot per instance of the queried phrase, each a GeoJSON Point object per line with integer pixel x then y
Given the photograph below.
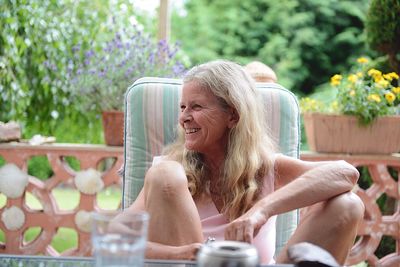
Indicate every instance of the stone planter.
{"type": "Point", "coordinates": [113, 126]}
{"type": "Point", "coordinates": [343, 134]}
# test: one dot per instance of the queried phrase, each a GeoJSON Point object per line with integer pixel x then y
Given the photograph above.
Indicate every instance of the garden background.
{"type": "Point", "coordinates": [43, 44]}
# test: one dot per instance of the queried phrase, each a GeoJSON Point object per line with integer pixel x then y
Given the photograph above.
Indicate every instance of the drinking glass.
{"type": "Point", "coordinates": [119, 239]}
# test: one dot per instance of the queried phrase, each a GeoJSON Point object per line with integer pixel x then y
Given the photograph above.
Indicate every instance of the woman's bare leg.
{"type": "Point", "coordinates": [331, 225]}
{"type": "Point", "coordinates": [174, 219]}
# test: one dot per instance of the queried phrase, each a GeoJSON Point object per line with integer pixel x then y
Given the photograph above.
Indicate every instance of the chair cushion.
{"type": "Point", "coordinates": [151, 117]}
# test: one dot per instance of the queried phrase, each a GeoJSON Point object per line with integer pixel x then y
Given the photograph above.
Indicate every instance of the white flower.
{"type": "Point", "coordinates": [13, 218]}
{"type": "Point", "coordinates": [89, 181]}
{"type": "Point", "coordinates": [12, 181]}
{"type": "Point", "coordinates": [83, 221]}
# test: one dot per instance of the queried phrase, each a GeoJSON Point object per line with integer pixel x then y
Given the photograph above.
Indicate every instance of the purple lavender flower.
{"type": "Point", "coordinates": [105, 73]}
{"type": "Point", "coordinates": [107, 49]}
{"type": "Point", "coordinates": [102, 73]}
{"type": "Point", "coordinates": [76, 48]}
{"type": "Point", "coordinates": [89, 53]}
{"type": "Point", "coordinates": [151, 58]}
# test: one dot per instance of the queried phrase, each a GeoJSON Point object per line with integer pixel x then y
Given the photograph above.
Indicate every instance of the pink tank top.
{"type": "Point", "coordinates": [214, 223]}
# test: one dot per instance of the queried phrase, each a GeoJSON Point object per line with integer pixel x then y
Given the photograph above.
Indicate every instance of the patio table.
{"type": "Point", "coordinates": [11, 260]}
{"type": "Point", "coordinates": [49, 261]}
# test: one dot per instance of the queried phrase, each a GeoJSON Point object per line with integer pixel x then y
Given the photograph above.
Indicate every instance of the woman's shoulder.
{"type": "Point", "coordinates": [280, 158]}
{"type": "Point", "coordinates": [158, 159]}
{"type": "Point", "coordinates": [270, 157]}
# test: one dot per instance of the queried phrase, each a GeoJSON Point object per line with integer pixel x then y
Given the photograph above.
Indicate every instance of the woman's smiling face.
{"type": "Point", "coordinates": [205, 122]}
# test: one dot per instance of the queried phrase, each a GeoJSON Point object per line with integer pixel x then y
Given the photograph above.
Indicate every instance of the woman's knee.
{"type": "Point", "coordinates": [167, 178]}
{"type": "Point", "coordinates": [348, 209]}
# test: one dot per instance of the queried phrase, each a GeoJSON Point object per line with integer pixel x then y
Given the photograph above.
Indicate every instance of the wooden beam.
{"type": "Point", "coordinates": [164, 20]}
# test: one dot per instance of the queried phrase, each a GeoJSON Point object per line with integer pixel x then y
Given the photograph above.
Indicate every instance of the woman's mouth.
{"type": "Point", "coordinates": [191, 130]}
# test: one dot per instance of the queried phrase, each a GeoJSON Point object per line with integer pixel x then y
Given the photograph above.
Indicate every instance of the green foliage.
{"type": "Point", "coordinates": [365, 92]}
{"type": "Point", "coordinates": [32, 33]}
{"type": "Point", "coordinates": [383, 29]}
{"type": "Point", "coordinates": [39, 167]}
{"type": "Point", "coordinates": [36, 43]}
{"type": "Point", "coordinates": [304, 41]}
{"type": "Point", "coordinates": [64, 239]}
{"type": "Point", "coordinates": [74, 128]}
{"type": "Point", "coordinates": [197, 31]}
{"type": "Point", "coordinates": [100, 82]}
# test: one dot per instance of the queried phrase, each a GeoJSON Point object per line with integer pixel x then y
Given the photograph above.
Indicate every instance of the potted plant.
{"type": "Point", "coordinates": [364, 117]}
{"type": "Point", "coordinates": [101, 80]}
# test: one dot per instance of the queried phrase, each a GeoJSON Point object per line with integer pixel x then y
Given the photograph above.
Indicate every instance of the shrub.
{"type": "Point", "coordinates": [100, 82]}
{"type": "Point", "coordinates": [35, 42]}
{"type": "Point", "coordinates": [365, 92]}
{"type": "Point", "coordinates": [383, 29]}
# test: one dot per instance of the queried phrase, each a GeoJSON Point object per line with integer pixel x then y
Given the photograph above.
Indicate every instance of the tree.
{"type": "Point", "coordinates": [304, 41]}
{"type": "Point", "coordinates": [37, 43]}
{"type": "Point", "coordinates": [383, 29]}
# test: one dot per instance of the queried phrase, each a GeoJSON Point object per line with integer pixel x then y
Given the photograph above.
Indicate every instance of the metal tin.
{"type": "Point", "coordinates": [227, 254]}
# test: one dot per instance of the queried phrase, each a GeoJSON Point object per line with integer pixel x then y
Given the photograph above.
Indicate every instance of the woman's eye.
{"type": "Point", "coordinates": [183, 107]}
{"type": "Point", "coordinates": [196, 107]}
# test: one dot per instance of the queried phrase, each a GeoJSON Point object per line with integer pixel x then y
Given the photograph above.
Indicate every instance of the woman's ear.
{"type": "Point", "coordinates": [233, 118]}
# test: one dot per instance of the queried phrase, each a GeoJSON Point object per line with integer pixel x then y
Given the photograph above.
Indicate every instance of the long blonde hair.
{"type": "Point", "coordinates": [250, 149]}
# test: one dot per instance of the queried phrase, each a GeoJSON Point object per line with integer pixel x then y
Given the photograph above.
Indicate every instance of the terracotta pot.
{"type": "Point", "coordinates": [343, 134]}
{"type": "Point", "coordinates": [113, 126]}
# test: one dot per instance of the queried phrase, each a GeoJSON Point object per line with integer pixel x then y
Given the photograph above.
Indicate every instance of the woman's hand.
{"type": "Point", "coordinates": [161, 251]}
{"type": "Point", "coordinates": [187, 252]}
{"type": "Point", "coordinates": [246, 227]}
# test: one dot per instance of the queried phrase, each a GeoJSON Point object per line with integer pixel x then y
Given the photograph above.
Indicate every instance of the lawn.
{"type": "Point", "coordinates": [67, 199]}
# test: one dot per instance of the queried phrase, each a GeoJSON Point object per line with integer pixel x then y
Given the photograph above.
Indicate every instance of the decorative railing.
{"type": "Point", "coordinates": [48, 217]}
{"type": "Point", "coordinates": [384, 171]}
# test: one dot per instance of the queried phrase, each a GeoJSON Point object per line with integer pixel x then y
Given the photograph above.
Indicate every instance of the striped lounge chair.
{"type": "Point", "coordinates": [151, 116]}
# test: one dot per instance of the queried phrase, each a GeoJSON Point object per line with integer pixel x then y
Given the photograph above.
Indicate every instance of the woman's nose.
{"type": "Point", "coordinates": [185, 116]}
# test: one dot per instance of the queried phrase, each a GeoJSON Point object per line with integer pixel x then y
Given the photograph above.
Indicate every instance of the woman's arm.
{"type": "Point", "coordinates": [298, 184]}
{"type": "Point", "coordinates": [165, 252]}
{"type": "Point", "coordinates": [156, 250]}
{"type": "Point", "coordinates": [302, 183]}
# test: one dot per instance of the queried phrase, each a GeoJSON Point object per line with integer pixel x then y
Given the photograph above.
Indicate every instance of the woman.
{"type": "Point", "coordinates": [222, 178]}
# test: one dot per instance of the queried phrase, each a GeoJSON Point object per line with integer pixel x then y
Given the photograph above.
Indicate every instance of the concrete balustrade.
{"type": "Point", "coordinates": [51, 218]}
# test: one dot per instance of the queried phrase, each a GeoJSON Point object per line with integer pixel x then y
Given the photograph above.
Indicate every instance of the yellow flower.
{"type": "Point", "coordinates": [396, 90]}
{"type": "Point", "coordinates": [374, 72]}
{"type": "Point", "coordinates": [378, 78]}
{"type": "Point", "coordinates": [352, 78]}
{"type": "Point", "coordinates": [388, 77]}
{"type": "Point", "coordinates": [335, 80]}
{"type": "Point", "coordinates": [362, 60]}
{"type": "Point", "coordinates": [390, 97]}
{"type": "Point", "coordinates": [393, 75]}
{"type": "Point", "coordinates": [367, 93]}
{"type": "Point", "coordinates": [310, 105]}
{"type": "Point", "coordinates": [334, 105]}
{"type": "Point", "coordinates": [374, 97]}
{"type": "Point", "coordinates": [382, 83]}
